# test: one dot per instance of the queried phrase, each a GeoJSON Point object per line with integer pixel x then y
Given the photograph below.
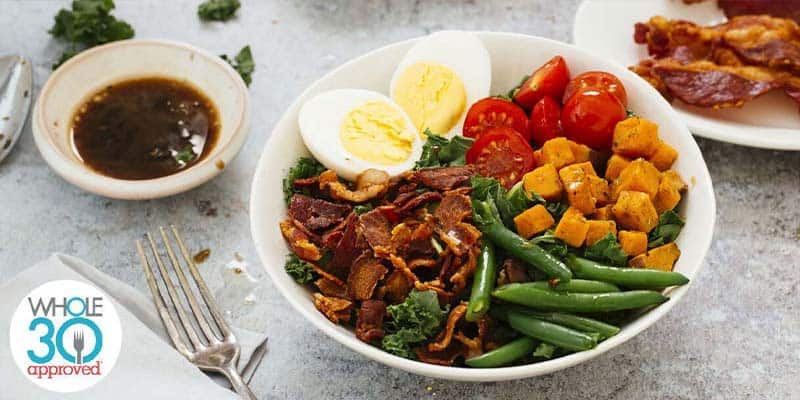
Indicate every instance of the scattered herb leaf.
{"type": "Point", "coordinates": [413, 321]}
{"type": "Point", "coordinates": [89, 23]}
{"type": "Point", "coordinates": [243, 64]}
{"type": "Point", "coordinates": [218, 10]}
{"type": "Point", "coordinates": [438, 151]}
{"type": "Point", "coordinates": [306, 167]}
{"type": "Point", "coordinates": [362, 208]}
{"type": "Point", "coordinates": [668, 228]}
{"type": "Point", "coordinates": [299, 270]}
{"type": "Point", "coordinates": [630, 113]}
{"type": "Point", "coordinates": [551, 244]}
{"type": "Point", "coordinates": [608, 250]}
{"type": "Point", "coordinates": [556, 210]}
{"type": "Point", "coordinates": [185, 155]}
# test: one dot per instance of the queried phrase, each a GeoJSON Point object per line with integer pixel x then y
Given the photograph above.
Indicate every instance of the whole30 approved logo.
{"type": "Point", "coordinates": [65, 336]}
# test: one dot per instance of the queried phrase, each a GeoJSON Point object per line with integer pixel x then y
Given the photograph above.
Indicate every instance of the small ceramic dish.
{"type": "Point", "coordinates": [513, 55]}
{"type": "Point", "coordinates": [85, 74]}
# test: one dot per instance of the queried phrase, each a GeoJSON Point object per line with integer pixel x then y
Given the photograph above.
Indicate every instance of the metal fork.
{"type": "Point", "coordinates": [207, 349]}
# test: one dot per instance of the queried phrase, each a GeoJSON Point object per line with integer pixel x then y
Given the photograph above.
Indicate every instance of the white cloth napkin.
{"type": "Point", "coordinates": [148, 367]}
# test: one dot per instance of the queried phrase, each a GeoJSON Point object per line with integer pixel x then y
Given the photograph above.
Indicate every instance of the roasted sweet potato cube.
{"type": "Point", "coordinates": [533, 221]}
{"type": "Point", "coordinates": [664, 156]}
{"type": "Point", "coordinates": [603, 213]}
{"type": "Point", "coordinates": [616, 163]}
{"type": "Point", "coordinates": [580, 152]}
{"type": "Point", "coordinates": [667, 196]}
{"type": "Point", "coordinates": [662, 257]}
{"type": "Point", "coordinates": [598, 230]}
{"type": "Point", "coordinates": [635, 211]}
{"type": "Point", "coordinates": [537, 158]}
{"type": "Point", "coordinates": [579, 195]}
{"type": "Point", "coordinates": [635, 137]}
{"type": "Point", "coordinates": [640, 176]}
{"type": "Point", "coordinates": [572, 228]}
{"type": "Point", "coordinates": [544, 181]}
{"type": "Point", "coordinates": [576, 171]}
{"type": "Point", "coordinates": [557, 152]}
{"type": "Point", "coordinates": [600, 189]}
{"type": "Point", "coordinates": [675, 180]}
{"type": "Point", "coordinates": [633, 242]}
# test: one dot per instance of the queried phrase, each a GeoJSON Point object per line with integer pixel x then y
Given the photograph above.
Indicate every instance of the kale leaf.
{"type": "Point", "coordinates": [299, 270]}
{"type": "Point", "coordinates": [668, 228]}
{"type": "Point", "coordinates": [551, 244]}
{"type": "Point", "coordinates": [306, 167]}
{"type": "Point", "coordinates": [608, 250]}
{"type": "Point", "coordinates": [218, 10]}
{"type": "Point", "coordinates": [438, 151]}
{"type": "Point", "coordinates": [509, 203]}
{"type": "Point", "coordinates": [556, 210]}
{"type": "Point", "coordinates": [89, 23]}
{"type": "Point", "coordinates": [413, 321]}
{"type": "Point", "coordinates": [243, 63]}
{"type": "Point", "coordinates": [362, 208]}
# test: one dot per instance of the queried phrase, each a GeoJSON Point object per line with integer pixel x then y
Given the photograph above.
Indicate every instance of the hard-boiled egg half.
{"type": "Point", "coordinates": [439, 78]}
{"type": "Point", "coordinates": [351, 130]}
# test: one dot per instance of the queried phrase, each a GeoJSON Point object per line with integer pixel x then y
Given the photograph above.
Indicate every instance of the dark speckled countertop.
{"type": "Point", "coordinates": [735, 335]}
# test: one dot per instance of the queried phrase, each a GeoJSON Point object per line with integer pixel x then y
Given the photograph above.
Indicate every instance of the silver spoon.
{"type": "Point", "coordinates": [16, 85]}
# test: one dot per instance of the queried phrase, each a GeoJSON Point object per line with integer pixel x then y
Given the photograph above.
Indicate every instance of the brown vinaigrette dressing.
{"type": "Point", "coordinates": [145, 128]}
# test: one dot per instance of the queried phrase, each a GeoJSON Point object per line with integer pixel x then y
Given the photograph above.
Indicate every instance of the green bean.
{"type": "Point", "coordinates": [526, 295]}
{"type": "Point", "coordinates": [503, 355]}
{"type": "Point", "coordinates": [528, 252]}
{"type": "Point", "coordinates": [639, 278]}
{"type": "Point", "coordinates": [548, 332]}
{"type": "Point", "coordinates": [482, 283]}
{"type": "Point", "coordinates": [583, 324]}
{"type": "Point", "coordinates": [578, 286]}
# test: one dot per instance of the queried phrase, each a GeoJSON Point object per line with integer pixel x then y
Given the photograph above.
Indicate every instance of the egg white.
{"type": "Point", "coordinates": [464, 54]}
{"type": "Point", "coordinates": [320, 120]}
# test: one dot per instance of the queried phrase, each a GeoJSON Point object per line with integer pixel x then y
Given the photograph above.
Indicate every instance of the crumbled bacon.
{"type": "Point", "coordinates": [448, 217]}
{"type": "Point", "coordinates": [370, 184]}
{"type": "Point", "coordinates": [446, 357]}
{"type": "Point", "coordinates": [512, 271]}
{"type": "Point", "coordinates": [299, 242]}
{"type": "Point", "coordinates": [335, 309]}
{"type": "Point", "coordinates": [396, 287]}
{"type": "Point", "coordinates": [348, 249]}
{"type": "Point", "coordinates": [378, 232]}
{"type": "Point", "coordinates": [418, 200]}
{"type": "Point", "coordinates": [364, 276]}
{"type": "Point", "coordinates": [317, 214]}
{"type": "Point", "coordinates": [369, 325]}
{"type": "Point", "coordinates": [460, 278]}
{"type": "Point", "coordinates": [445, 178]}
{"type": "Point", "coordinates": [331, 288]}
{"type": "Point", "coordinates": [446, 335]}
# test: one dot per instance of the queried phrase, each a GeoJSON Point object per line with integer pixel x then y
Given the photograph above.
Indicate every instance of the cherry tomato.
{"type": "Point", "coordinates": [502, 153]}
{"type": "Point", "coordinates": [491, 112]}
{"type": "Point", "coordinates": [597, 80]}
{"type": "Point", "coordinates": [546, 120]}
{"type": "Point", "coordinates": [549, 80]}
{"type": "Point", "coordinates": [589, 117]}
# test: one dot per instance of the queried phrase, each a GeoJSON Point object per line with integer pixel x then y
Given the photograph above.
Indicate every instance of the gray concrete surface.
{"type": "Point", "coordinates": [735, 335]}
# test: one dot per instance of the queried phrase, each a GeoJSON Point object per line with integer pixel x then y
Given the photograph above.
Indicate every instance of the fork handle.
{"type": "Point", "coordinates": [239, 385]}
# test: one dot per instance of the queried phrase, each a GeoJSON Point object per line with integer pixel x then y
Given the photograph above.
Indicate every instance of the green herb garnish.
{"type": "Point", "coordinates": [668, 228]}
{"type": "Point", "coordinates": [185, 155]}
{"type": "Point", "coordinates": [608, 250]}
{"type": "Point", "coordinates": [89, 23]}
{"type": "Point", "coordinates": [306, 167]}
{"type": "Point", "coordinates": [299, 270]}
{"type": "Point", "coordinates": [363, 208]}
{"type": "Point", "coordinates": [218, 10]}
{"type": "Point", "coordinates": [438, 151]}
{"type": "Point", "coordinates": [413, 321]}
{"type": "Point", "coordinates": [243, 64]}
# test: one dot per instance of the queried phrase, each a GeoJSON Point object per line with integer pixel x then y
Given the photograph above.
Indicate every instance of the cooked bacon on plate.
{"type": "Point", "coordinates": [335, 309]}
{"type": "Point", "coordinates": [445, 178]}
{"type": "Point", "coordinates": [369, 324]}
{"type": "Point", "coordinates": [317, 214]}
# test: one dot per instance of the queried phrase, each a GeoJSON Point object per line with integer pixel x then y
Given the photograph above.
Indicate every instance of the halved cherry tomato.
{"type": "Point", "coordinates": [493, 111]}
{"type": "Point", "coordinates": [589, 117]}
{"type": "Point", "coordinates": [546, 120]}
{"type": "Point", "coordinates": [549, 80]}
{"type": "Point", "coordinates": [597, 80]}
{"type": "Point", "coordinates": [501, 153]}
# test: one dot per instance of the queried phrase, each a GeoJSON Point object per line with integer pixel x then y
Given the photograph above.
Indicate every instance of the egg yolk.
{"type": "Point", "coordinates": [432, 95]}
{"type": "Point", "coordinates": [376, 131]}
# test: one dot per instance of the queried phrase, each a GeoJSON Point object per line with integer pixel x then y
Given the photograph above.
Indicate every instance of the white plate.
{"type": "Point", "coordinates": [513, 55]}
{"type": "Point", "coordinates": [605, 27]}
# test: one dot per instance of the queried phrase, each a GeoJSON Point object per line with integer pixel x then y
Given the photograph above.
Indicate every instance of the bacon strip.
{"type": "Point", "coordinates": [444, 178]}
{"type": "Point", "coordinates": [369, 325]}
{"type": "Point", "coordinates": [299, 242]}
{"type": "Point", "coordinates": [335, 309]}
{"type": "Point", "coordinates": [364, 276]}
{"type": "Point", "coordinates": [317, 214]}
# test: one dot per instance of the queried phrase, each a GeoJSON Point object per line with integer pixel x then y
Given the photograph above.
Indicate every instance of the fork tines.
{"type": "Point", "coordinates": [206, 335]}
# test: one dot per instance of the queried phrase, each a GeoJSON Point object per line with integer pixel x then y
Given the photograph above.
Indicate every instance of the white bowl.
{"type": "Point", "coordinates": [513, 55]}
{"type": "Point", "coordinates": [83, 75]}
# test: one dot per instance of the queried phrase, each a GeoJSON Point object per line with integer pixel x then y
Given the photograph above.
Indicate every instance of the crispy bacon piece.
{"type": "Point", "coordinates": [348, 248]}
{"type": "Point", "coordinates": [437, 286]}
{"type": "Point", "coordinates": [370, 184]}
{"type": "Point", "coordinates": [705, 84]}
{"type": "Point", "coordinates": [369, 325]}
{"type": "Point", "coordinates": [331, 288]}
{"type": "Point", "coordinates": [446, 335]}
{"type": "Point", "coordinates": [446, 357]}
{"type": "Point", "coordinates": [299, 242]}
{"type": "Point", "coordinates": [335, 309]}
{"type": "Point", "coordinates": [396, 287]}
{"type": "Point", "coordinates": [378, 232]}
{"type": "Point", "coordinates": [663, 37]}
{"type": "Point", "coordinates": [418, 200]}
{"type": "Point", "coordinates": [776, 8]}
{"type": "Point", "coordinates": [444, 178]}
{"type": "Point", "coordinates": [473, 347]}
{"type": "Point", "coordinates": [453, 209]}
{"type": "Point", "coordinates": [317, 214]}
{"type": "Point", "coordinates": [512, 271]}
{"type": "Point", "coordinates": [364, 276]}
{"type": "Point", "coordinates": [461, 277]}
{"type": "Point", "coordinates": [764, 40]}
